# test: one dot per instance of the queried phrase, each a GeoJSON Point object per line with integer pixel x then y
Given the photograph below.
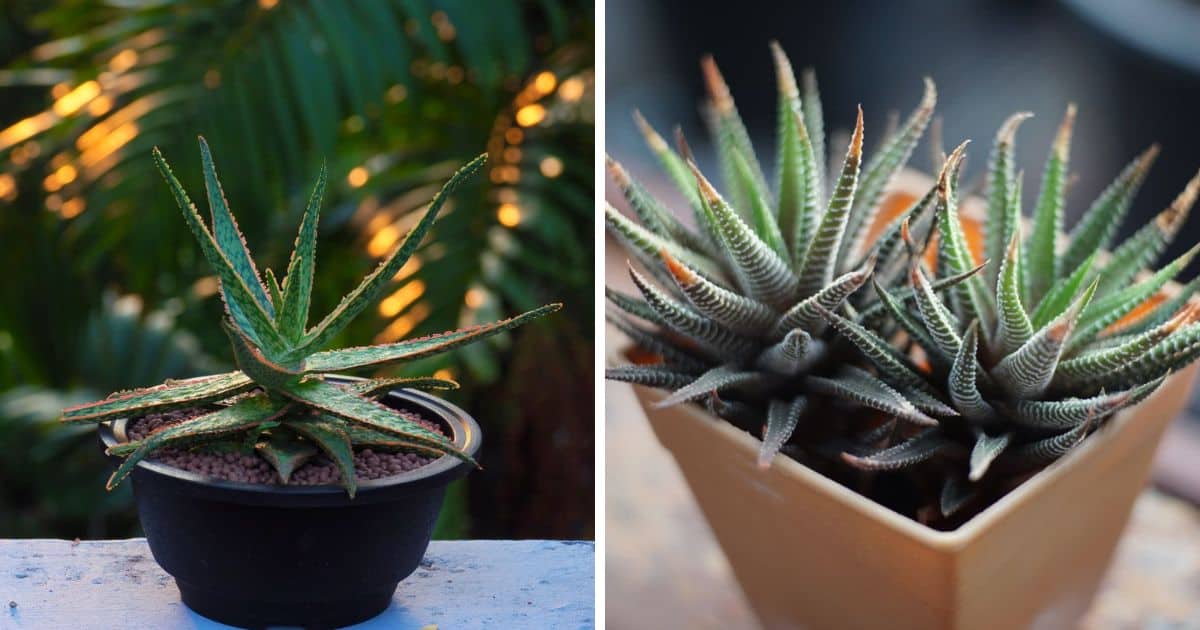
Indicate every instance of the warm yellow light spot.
{"type": "Point", "coordinates": [51, 183]}
{"type": "Point", "coordinates": [101, 105]}
{"type": "Point", "coordinates": [25, 128]}
{"type": "Point", "coordinates": [73, 100]}
{"type": "Point", "coordinates": [123, 60]}
{"type": "Point", "coordinates": [404, 324]}
{"type": "Point", "coordinates": [551, 166]}
{"type": "Point", "coordinates": [506, 195]}
{"type": "Point", "coordinates": [475, 297]}
{"type": "Point", "coordinates": [8, 187]}
{"type": "Point", "coordinates": [455, 75]}
{"type": "Point", "coordinates": [53, 203]}
{"type": "Point", "coordinates": [109, 144]}
{"type": "Point", "coordinates": [408, 268]}
{"type": "Point", "coordinates": [571, 90]}
{"type": "Point", "coordinates": [212, 79]}
{"type": "Point", "coordinates": [206, 287]}
{"type": "Point", "coordinates": [512, 154]}
{"type": "Point", "coordinates": [509, 214]}
{"type": "Point", "coordinates": [267, 5]}
{"type": "Point", "coordinates": [358, 176]}
{"type": "Point", "coordinates": [514, 135]}
{"type": "Point", "coordinates": [531, 115]}
{"type": "Point", "coordinates": [355, 124]}
{"type": "Point", "coordinates": [393, 304]}
{"type": "Point", "coordinates": [66, 174]}
{"type": "Point", "coordinates": [545, 82]}
{"type": "Point", "coordinates": [383, 240]}
{"type": "Point", "coordinates": [445, 374]}
{"type": "Point", "coordinates": [59, 159]}
{"type": "Point", "coordinates": [60, 89]}
{"type": "Point", "coordinates": [396, 93]}
{"type": "Point", "coordinates": [72, 207]}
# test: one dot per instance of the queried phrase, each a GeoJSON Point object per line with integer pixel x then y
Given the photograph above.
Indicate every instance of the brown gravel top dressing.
{"type": "Point", "coordinates": [250, 468]}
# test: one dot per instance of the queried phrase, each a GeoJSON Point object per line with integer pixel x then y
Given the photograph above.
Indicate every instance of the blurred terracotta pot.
{"type": "Point", "coordinates": [810, 553]}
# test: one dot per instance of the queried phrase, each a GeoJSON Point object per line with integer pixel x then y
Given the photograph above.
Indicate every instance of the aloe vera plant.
{"type": "Point", "coordinates": [1026, 359]}
{"type": "Point", "coordinates": [279, 400]}
{"type": "Point", "coordinates": [737, 308]}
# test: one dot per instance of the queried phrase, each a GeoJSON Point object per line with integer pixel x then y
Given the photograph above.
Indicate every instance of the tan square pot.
{"type": "Point", "coordinates": [810, 553]}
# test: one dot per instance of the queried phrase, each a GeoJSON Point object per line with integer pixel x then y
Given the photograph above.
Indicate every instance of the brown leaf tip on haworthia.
{"type": "Point", "coordinates": [784, 76]}
{"type": "Point", "coordinates": [1062, 139]}
{"type": "Point", "coordinates": [718, 91]}
{"type": "Point", "coordinates": [280, 359]}
{"type": "Point", "coordinates": [1169, 220]}
{"type": "Point", "coordinates": [720, 299]}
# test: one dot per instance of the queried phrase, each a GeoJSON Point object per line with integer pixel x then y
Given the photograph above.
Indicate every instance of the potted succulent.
{"type": "Point", "coordinates": [280, 493]}
{"type": "Point", "coordinates": [964, 438]}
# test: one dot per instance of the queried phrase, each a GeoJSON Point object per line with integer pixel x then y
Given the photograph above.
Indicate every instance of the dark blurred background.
{"type": "Point", "coordinates": [1133, 69]}
{"type": "Point", "coordinates": [103, 287]}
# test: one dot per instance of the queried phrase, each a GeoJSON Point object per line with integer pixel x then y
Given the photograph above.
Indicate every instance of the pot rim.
{"type": "Point", "coordinates": [467, 436]}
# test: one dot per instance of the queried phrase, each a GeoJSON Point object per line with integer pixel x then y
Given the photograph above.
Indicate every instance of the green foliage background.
{"type": "Point", "coordinates": [106, 290]}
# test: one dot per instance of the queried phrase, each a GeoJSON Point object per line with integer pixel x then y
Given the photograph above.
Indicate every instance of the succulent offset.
{"type": "Point", "coordinates": [966, 369]}
{"type": "Point", "coordinates": [1037, 351]}
{"type": "Point", "coordinates": [739, 300]}
{"type": "Point", "coordinates": [278, 400]}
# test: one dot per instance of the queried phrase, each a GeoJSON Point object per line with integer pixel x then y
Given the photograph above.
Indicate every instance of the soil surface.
{"type": "Point", "coordinates": [251, 468]}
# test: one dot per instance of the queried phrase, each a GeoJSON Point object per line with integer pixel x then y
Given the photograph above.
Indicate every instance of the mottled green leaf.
{"type": "Point", "coordinates": [173, 394]}
{"type": "Point", "coordinates": [329, 435]}
{"type": "Point", "coordinates": [297, 290]}
{"type": "Point", "coordinates": [241, 303]}
{"type": "Point", "coordinates": [285, 452]}
{"type": "Point", "coordinates": [413, 349]}
{"type": "Point", "coordinates": [376, 283]}
{"type": "Point", "coordinates": [242, 415]}
{"type": "Point", "coordinates": [344, 404]}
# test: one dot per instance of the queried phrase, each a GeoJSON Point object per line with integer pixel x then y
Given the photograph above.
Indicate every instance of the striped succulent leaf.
{"type": "Point", "coordinates": [295, 413]}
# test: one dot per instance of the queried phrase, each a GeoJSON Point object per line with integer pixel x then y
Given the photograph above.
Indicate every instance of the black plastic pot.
{"type": "Point", "coordinates": [253, 555]}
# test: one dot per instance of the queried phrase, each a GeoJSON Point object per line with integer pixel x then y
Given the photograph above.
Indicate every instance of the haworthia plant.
{"type": "Point", "coordinates": [735, 305]}
{"type": "Point", "coordinates": [279, 397]}
{"type": "Point", "coordinates": [1039, 355]}
{"type": "Point", "coordinates": [964, 368]}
